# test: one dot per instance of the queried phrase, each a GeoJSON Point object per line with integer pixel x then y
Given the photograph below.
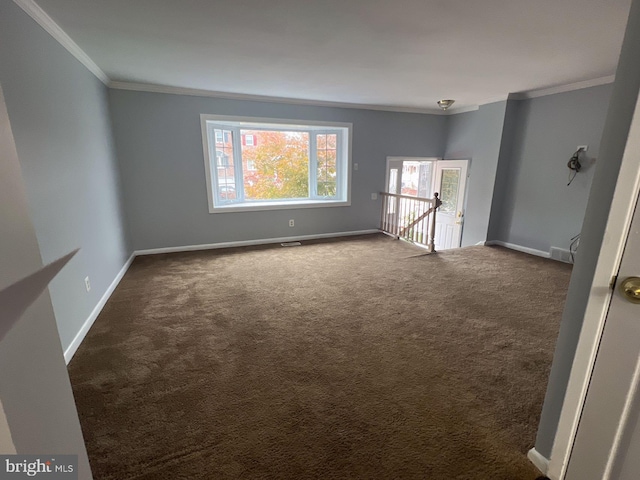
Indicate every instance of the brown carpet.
{"type": "Point", "coordinates": [352, 359]}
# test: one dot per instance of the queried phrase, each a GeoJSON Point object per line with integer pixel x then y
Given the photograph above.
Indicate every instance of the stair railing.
{"type": "Point", "coordinates": [410, 218]}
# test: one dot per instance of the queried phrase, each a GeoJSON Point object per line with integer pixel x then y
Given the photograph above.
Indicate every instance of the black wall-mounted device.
{"type": "Point", "coordinates": [574, 164]}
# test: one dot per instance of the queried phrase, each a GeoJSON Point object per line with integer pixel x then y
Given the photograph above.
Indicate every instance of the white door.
{"type": "Point", "coordinates": [450, 182]}
{"type": "Point", "coordinates": [607, 443]}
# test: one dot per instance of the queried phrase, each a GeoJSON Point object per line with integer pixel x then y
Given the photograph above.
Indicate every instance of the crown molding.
{"type": "Point", "coordinates": [153, 88]}
{"type": "Point", "coordinates": [454, 111]}
{"type": "Point", "coordinates": [543, 92]}
{"type": "Point", "coordinates": [52, 28]}
{"type": "Point", "coordinates": [497, 98]}
{"type": "Point", "coordinates": [473, 108]}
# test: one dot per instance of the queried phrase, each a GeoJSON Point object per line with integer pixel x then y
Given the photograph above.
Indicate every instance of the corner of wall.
{"type": "Point", "coordinates": [497, 216]}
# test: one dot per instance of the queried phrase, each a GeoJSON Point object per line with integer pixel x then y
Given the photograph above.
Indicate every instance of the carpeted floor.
{"type": "Point", "coordinates": [346, 359]}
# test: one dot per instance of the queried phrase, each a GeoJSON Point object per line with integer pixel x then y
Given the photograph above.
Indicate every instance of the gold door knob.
{"type": "Point", "coordinates": [630, 288]}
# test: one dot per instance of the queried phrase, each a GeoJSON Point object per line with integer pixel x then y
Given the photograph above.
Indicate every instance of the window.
{"type": "Point", "coordinates": [222, 159]}
{"type": "Point", "coordinates": [262, 164]}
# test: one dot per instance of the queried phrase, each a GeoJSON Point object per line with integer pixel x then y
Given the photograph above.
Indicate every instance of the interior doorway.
{"type": "Point", "coordinates": [421, 178]}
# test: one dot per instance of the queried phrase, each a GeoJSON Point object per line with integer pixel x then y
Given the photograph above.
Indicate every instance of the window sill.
{"type": "Point", "coordinates": [256, 206]}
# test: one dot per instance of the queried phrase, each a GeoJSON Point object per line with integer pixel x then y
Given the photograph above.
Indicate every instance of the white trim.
{"type": "Point", "coordinates": [563, 88]}
{"type": "Point", "coordinates": [75, 343]}
{"type": "Point", "coordinates": [246, 243]}
{"type": "Point", "coordinates": [454, 111]}
{"type": "Point", "coordinates": [275, 205]}
{"type": "Point", "coordinates": [342, 130]}
{"type": "Point", "coordinates": [519, 248]}
{"type": "Point", "coordinates": [414, 159]}
{"type": "Point", "coordinates": [52, 28]}
{"type": "Point", "coordinates": [609, 258]}
{"type": "Point", "coordinates": [270, 121]}
{"type": "Point", "coordinates": [433, 160]}
{"type": "Point", "coordinates": [497, 98]}
{"type": "Point", "coordinates": [153, 88]}
{"type": "Point", "coordinates": [538, 460]}
{"type": "Point", "coordinates": [82, 333]}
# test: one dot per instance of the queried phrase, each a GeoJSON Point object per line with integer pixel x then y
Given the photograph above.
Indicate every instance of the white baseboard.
{"type": "Point", "coordinates": [73, 347]}
{"type": "Point", "coordinates": [540, 462]}
{"type": "Point", "coordinates": [519, 248]}
{"type": "Point", "coordinates": [246, 243]}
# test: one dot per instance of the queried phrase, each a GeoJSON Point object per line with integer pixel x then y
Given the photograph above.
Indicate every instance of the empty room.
{"type": "Point", "coordinates": [328, 240]}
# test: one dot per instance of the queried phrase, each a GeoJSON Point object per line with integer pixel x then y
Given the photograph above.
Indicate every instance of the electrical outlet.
{"type": "Point", "coordinates": [584, 148]}
{"type": "Point", "coordinates": [355, 166]}
{"type": "Point", "coordinates": [374, 196]}
{"type": "Point", "coordinates": [87, 284]}
{"type": "Point", "coordinates": [292, 223]}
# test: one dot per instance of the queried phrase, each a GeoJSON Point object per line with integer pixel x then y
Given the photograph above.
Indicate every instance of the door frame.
{"type": "Point", "coordinates": [617, 229]}
{"type": "Point", "coordinates": [409, 159]}
{"type": "Point", "coordinates": [430, 159]}
{"type": "Point", "coordinates": [436, 161]}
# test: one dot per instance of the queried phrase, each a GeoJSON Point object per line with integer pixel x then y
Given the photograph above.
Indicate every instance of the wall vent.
{"type": "Point", "coordinates": [561, 255]}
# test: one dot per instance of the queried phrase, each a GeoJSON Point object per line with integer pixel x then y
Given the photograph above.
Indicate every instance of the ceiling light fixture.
{"type": "Point", "coordinates": [444, 104]}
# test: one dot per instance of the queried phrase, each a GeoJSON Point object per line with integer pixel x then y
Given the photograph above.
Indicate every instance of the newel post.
{"type": "Point", "coordinates": [432, 234]}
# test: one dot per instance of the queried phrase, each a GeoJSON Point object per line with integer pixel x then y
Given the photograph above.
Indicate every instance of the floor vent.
{"type": "Point", "coordinates": [291, 244]}
{"type": "Point", "coordinates": [561, 255]}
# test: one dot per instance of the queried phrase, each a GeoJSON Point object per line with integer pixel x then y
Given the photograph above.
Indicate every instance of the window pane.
{"type": "Point", "coordinates": [264, 166]}
{"type": "Point", "coordinates": [225, 164]}
{"type": "Point", "coordinates": [449, 190]}
{"type": "Point", "coordinates": [276, 166]}
{"type": "Point", "coordinates": [393, 181]}
{"type": "Point", "coordinates": [424, 182]}
{"type": "Point", "coordinates": [410, 178]}
{"type": "Point", "coordinates": [327, 165]}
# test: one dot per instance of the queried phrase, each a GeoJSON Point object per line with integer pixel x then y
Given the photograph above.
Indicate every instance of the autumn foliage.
{"type": "Point", "coordinates": [281, 162]}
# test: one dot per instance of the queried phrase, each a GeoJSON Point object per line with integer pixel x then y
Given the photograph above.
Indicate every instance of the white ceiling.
{"type": "Point", "coordinates": [396, 53]}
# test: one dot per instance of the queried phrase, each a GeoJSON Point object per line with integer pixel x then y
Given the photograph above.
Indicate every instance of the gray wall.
{"type": "Point", "coordinates": [461, 136]}
{"type": "Point", "coordinates": [518, 189]}
{"type": "Point", "coordinates": [538, 209]}
{"type": "Point", "coordinates": [60, 119]}
{"type": "Point", "coordinates": [159, 147]}
{"type": "Point", "coordinates": [505, 159]}
{"type": "Point", "coordinates": [488, 128]}
{"type": "Point", "coordinates": [34, 385]}
{"type": "Point", "coordinates": [622, 105]}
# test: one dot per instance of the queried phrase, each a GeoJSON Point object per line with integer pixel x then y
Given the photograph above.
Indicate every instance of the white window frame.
{"type": "Point", "coordinates": [235, 124]}
{"type": "Point", "coordinates": [246, 140]}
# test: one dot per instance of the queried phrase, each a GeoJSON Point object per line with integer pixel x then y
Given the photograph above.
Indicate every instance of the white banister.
{"type": "Point", "coordinates": [410, 218]}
